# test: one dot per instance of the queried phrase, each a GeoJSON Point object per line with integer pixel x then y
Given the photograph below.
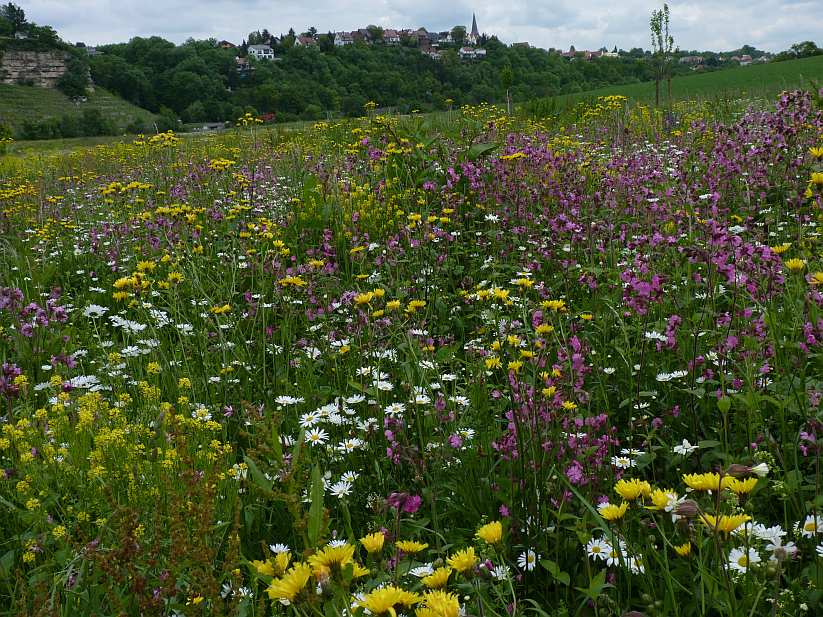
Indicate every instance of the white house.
{"type": "Point", "coordinates": [261, 52]}
{"type": "Point", "coordinates": [343, 38]}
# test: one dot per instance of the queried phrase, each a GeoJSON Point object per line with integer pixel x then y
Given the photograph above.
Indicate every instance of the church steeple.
{"type": "Point", "coordinates": [474, 35]}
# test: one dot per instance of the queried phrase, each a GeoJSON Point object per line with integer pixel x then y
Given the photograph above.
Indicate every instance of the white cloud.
{"type": "Point", "coordinates": [586, 24]}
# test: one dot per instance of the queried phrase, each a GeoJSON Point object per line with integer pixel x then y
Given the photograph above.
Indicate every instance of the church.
{"type": "Point", "coordinates": [473, 37]}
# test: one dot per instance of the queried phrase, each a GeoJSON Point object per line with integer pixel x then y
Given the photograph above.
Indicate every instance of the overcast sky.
{"type": "Point", "coordinates": [587, 24]}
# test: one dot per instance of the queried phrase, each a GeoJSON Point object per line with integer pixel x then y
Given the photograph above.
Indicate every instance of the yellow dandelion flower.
{"type": "Point", "coordinates": [632, 489]}
{"type": "Point", "coordinates": [439, 604]}
{"type": "Point", "coordinates": [724, 523]}
{"type": "Point", "coordinates": [463, 560]}
{"type": "Point", "coordinates": [388, 599]}
{"type": "Point", "coordinates": [438, 578]}
{"type": "Point", "coordinates": [795, 264]}
{"type": "Point", "coordinates": [411, 546]}
{"type": "Point", "coordinates": [292, 583]}
{"type": "Point", "coordinates": [684, 550]}
{"type": "Point", "coordinates": [331, 558]}
{"type": "Point", "coordinates": [491, 533]}
{"type": "Point", "coordinates": [373, 543]}
{"type": "Point", "coordinates": [611, 512]}
{"type": "Point", "coordinates": [742, 487]}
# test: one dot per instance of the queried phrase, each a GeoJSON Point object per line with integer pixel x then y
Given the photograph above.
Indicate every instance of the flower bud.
{"type": "Point", "coordinates": [687, 508]}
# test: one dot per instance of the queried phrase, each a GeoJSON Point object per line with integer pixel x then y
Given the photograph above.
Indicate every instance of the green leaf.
{"type": "Point", "coordinates": [724, 404]}
{"type": "Point", "coordinates": [478, 150]}
{"type": "Point", "coordinates": [315, 522]}
{"type": "Point", "coordinates": [6, 562]}
{"type": "Point", "coordinates": [555, 571]}
{"type": "Point", "coordinates": [256, 475]}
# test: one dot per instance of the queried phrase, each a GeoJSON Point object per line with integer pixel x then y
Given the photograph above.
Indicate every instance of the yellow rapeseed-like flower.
{"type": "Point", "coordinates": [387, 599]}
{"type": "Point", "coordinates": [491, 533]}
{"type": "Point", "coordinates": [724, 523]}
{"type": "Point", "coordinates": [817, 153]}
{"type": "Point", "coordinates": [292, 583]}
{"type": "Point", "coordinates": [816, 179]}
{"type": "Point", "coordinates": [438, 578]}
{"type": "Point", "coordinates": [373, 543]}
{"type": "Point", "coordinates": [463, 560]}
{"type": "Point", "coordinates": [816, 278]}
{"type": "Point", "coordinates": [611, 512]}
{"type": "Point", "coordinates": [632, 489]}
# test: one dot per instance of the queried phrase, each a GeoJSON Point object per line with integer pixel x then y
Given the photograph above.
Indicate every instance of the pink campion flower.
{"type": "Point", "coordinates": [574, 473]}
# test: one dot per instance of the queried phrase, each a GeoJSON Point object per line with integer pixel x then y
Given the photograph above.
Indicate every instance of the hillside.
{"type": "Point", "coordinates": [19, 104]}
{"type": "Point", "coordinates": [764, 80]}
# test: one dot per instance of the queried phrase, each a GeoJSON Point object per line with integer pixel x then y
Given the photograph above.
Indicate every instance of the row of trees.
{"type": "Point", "coordinates": [199, 81]}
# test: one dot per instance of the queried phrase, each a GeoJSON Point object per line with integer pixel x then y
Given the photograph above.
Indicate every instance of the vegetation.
{"type": "Point", "coordinates": [761, 81]}
{"type": "Point", "coordinates": [36, 113]}
{"type": "Point", "coordinates": [465, 363]}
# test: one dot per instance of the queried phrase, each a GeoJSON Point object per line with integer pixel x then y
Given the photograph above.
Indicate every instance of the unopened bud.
{"type": "Point", "coordinates": [738, 471]}
{"type": "Point", "coordinates": [687, 508]}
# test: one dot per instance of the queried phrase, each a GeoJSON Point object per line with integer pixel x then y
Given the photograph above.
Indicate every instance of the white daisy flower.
{"type": "Point", "coordinates": [527, 560]}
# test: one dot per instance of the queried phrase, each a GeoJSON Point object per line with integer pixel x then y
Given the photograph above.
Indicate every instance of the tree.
{"type": "Point", "coordinates": [15, 16]}
{"type": "Point", "coordinates": [375, 33]}
{"type": "Point", "coordinates": [507, 80]}
{"type": "Point", "coordinates": [805, 49]}
{"type": "Point", "coordinates": [459, 35]}
{"type": "Point", "coordinates": [662, 46]}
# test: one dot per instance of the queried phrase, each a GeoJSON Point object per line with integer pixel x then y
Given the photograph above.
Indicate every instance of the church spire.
{"type": "Point", "coordinates": [474, 31]}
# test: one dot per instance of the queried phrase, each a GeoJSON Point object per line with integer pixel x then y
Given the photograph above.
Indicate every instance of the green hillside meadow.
{"type": "Point", "coordinates": [21, 103]}
{"type": "Point", "coordinates": [762, 80]}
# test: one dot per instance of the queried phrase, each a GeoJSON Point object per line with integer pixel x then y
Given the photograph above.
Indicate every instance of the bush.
{"type": "Point", "coordinates": [75, 80]}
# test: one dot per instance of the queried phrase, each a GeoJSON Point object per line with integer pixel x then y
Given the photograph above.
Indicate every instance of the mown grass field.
{"type": "Point", "coordinates": [758, 80]}
{"type": "Point", "coordinates": [21, 103]}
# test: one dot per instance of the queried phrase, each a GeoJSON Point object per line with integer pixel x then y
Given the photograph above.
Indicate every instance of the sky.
{"type": "Point", "coordinates": [772, 25]}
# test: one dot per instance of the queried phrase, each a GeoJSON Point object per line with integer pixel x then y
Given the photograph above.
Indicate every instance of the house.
{"type": "Point", "coordinates": [226, 45]}
{"type": "Point", "coordinates": [261, 52]}
{"type": "Point", "coordinates": [243, 66]}
{"type": "Point", "coordinates": [391, 37]}
{"type": "Point", "coordinates": [610, 54]}
{"type": "Point", "coordinates": [304, 41]}
{"type": "Point", "coordinates": [524, 44]}
{"type": "Point", "coordinates": [693, 60]}
{"type": "Point", "coordinates": [745, 60]}
{"type": "Point", "coordinates": [471, 53]}
{"type": "Point", "coordinates": [343, 38]}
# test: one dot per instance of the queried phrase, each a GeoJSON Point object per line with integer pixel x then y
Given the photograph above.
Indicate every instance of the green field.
{"type": "Point", "coordinates": [762, 80]}
{"type": "Point", "coordinates": [21, 103]}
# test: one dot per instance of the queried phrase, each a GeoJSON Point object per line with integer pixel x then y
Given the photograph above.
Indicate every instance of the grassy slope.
{"type": "Point", "coordinates": [757, 80]}
{"type": "Point", "coordinates": [20, 103]}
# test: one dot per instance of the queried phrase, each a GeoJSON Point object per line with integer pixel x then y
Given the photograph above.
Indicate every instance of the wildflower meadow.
{"type": "Point", "coordinates": [466, 364]}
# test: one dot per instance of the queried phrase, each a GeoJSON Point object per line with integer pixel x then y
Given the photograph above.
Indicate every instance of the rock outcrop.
{"type": "Point", "coordinates": [36, 68]}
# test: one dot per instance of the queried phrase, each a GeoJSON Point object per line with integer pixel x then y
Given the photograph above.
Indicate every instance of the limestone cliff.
{"type": "Point", "coordinates": [38, 68]}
